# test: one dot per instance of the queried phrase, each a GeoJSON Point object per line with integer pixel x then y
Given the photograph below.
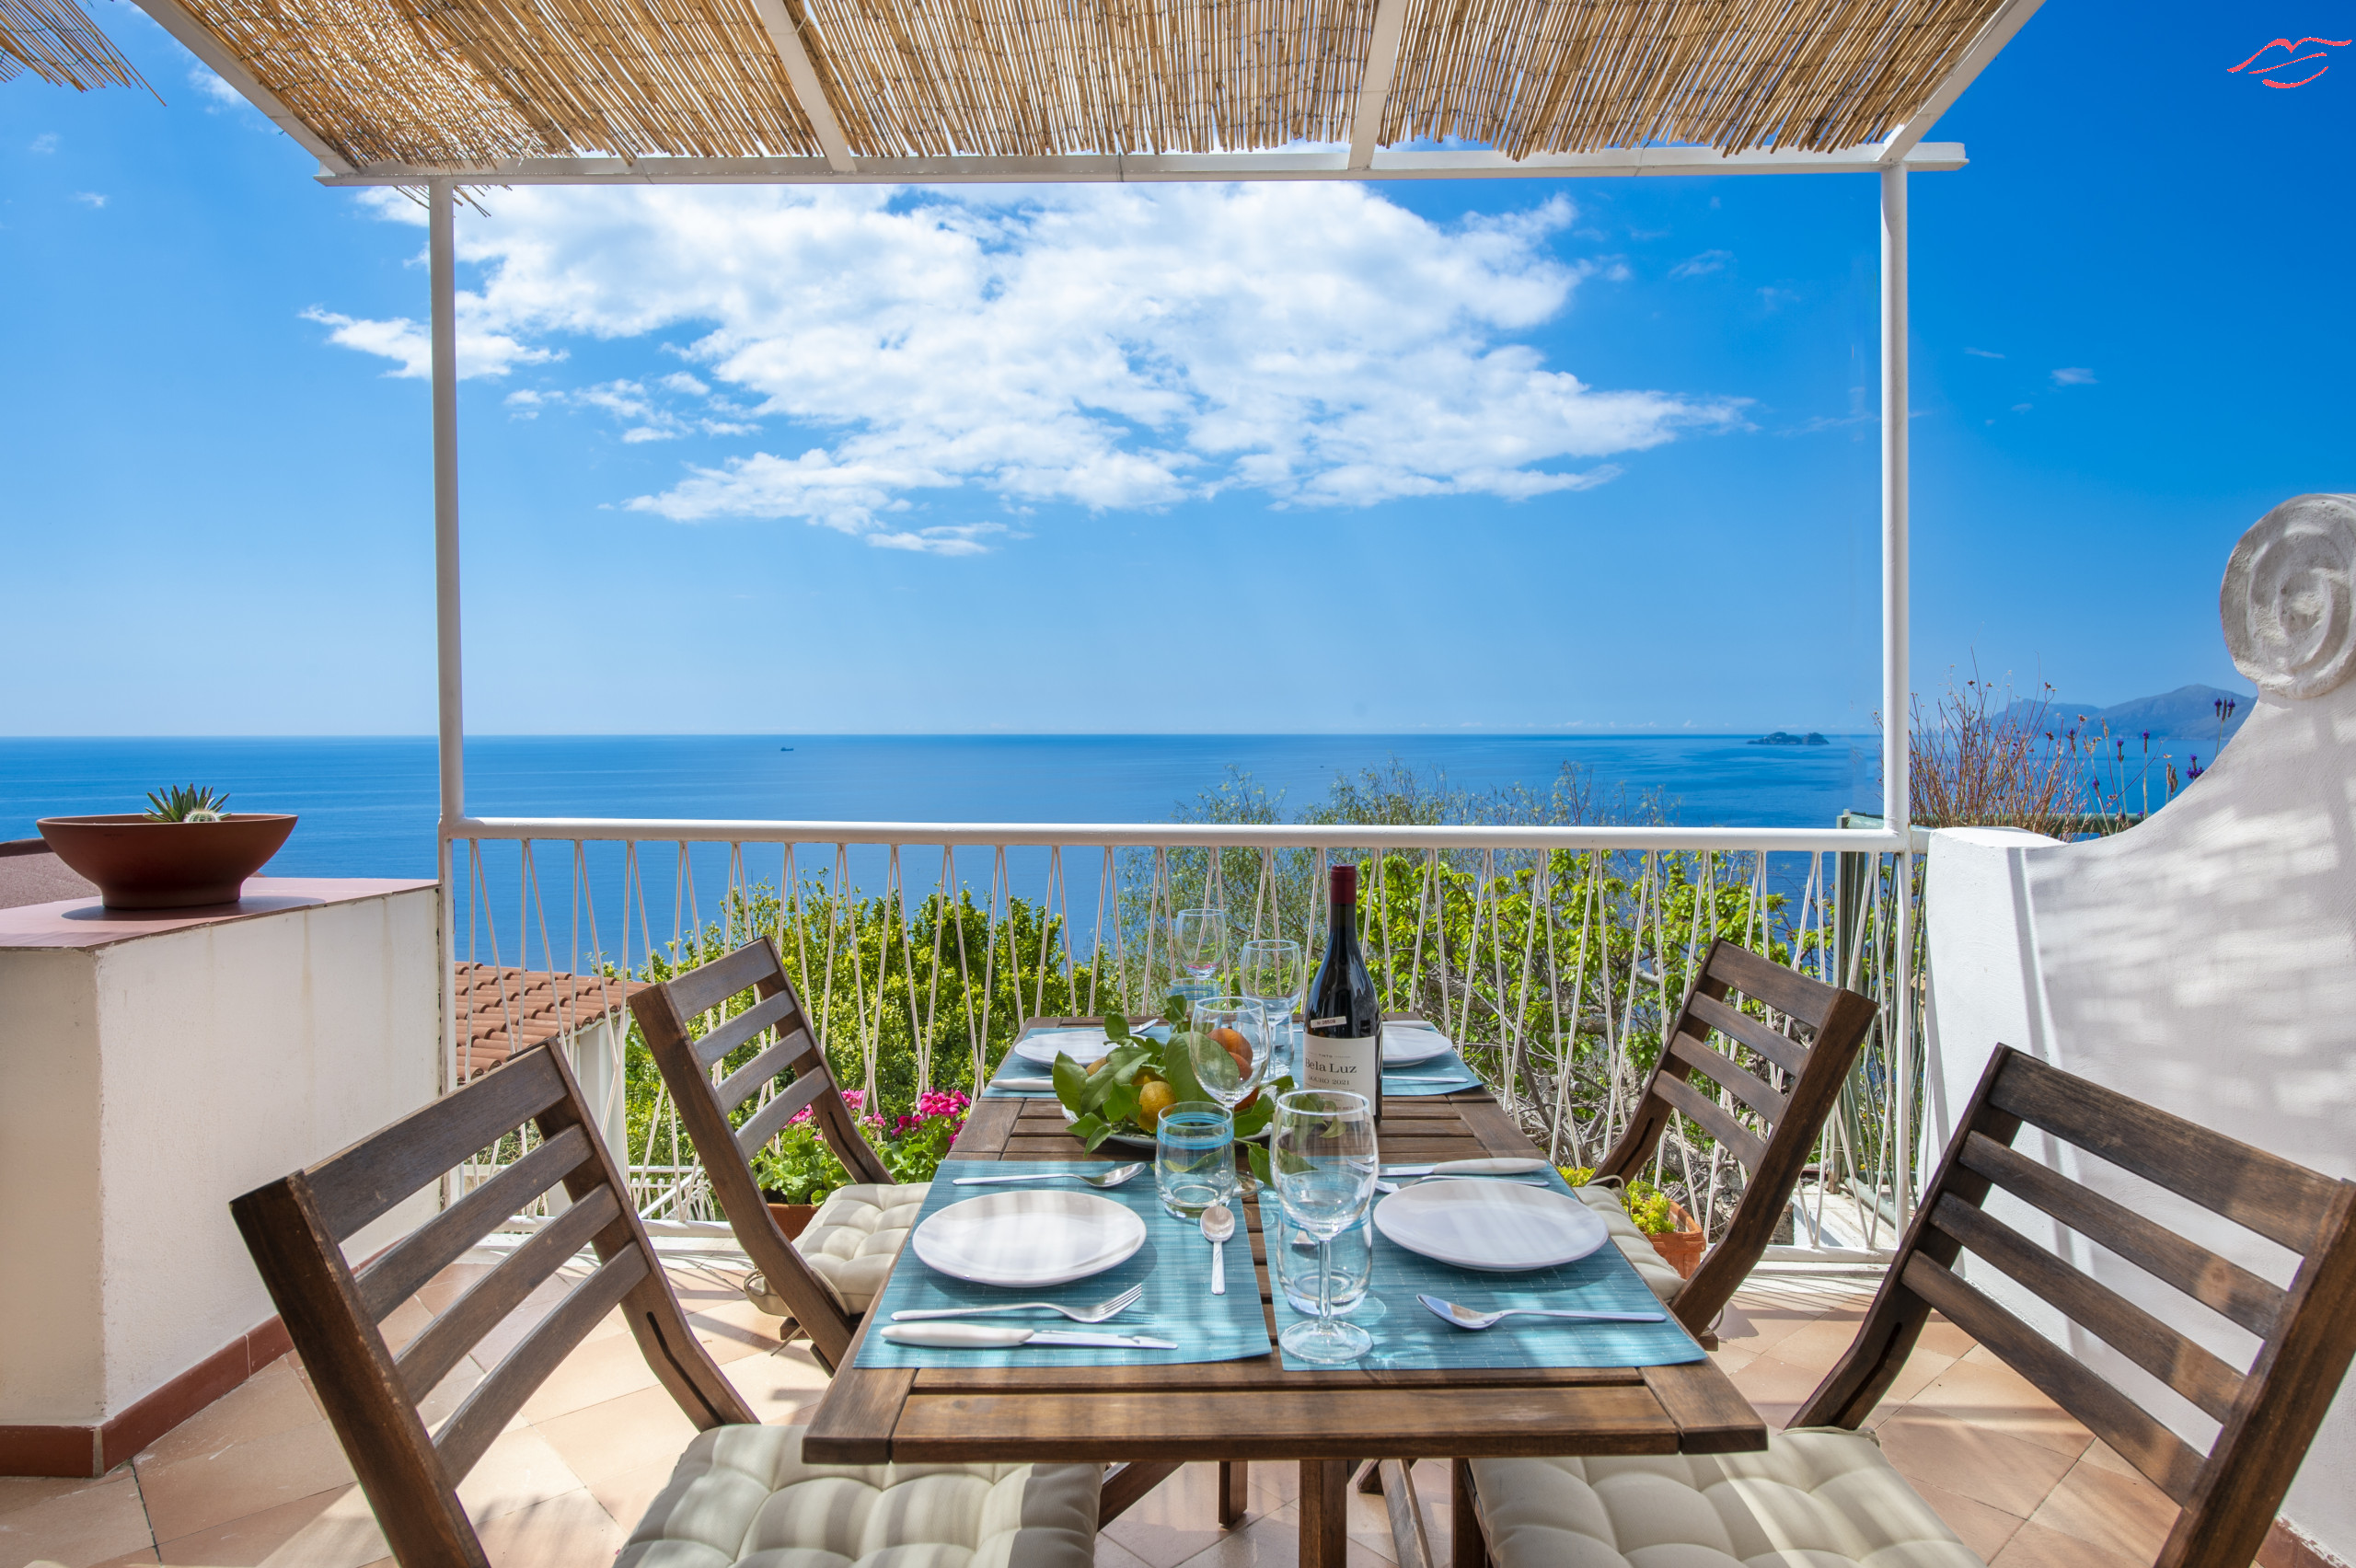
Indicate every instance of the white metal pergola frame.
{"type": "Point", "coordinates": [1903, 152]}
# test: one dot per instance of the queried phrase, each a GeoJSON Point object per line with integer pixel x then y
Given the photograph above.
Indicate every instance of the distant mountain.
{"type": "Point", "coordinates": [2189, 710]}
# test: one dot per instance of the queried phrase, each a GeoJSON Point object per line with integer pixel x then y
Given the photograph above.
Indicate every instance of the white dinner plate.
{"type": "Point", "coordinates": [1490, 1225]}
{"type": "Point", "coordinates": [1025, 1239]}
{"type": "Point", "coordinates": [1082, 1045]}
{"type": "Point", "coordinates": [1404, 1044]}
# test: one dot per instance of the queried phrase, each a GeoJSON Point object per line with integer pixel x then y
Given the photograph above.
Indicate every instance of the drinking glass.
{"type": "Point", "coordinates": [1198, 945]}
{"type": "Point", "coordinates": [1341, 1268]}
{"type": "Point", "coordinates": [1217, 1020]}
{"type": "Point", "coordinates": [1324, 1160]}
{"type": "Point", "coordinates": [1193, 1158]}
{"type": "Point", "coordinates": [1272, 970]}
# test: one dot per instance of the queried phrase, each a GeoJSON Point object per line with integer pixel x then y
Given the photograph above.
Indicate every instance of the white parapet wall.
{"type": "Point", "coordinates": [2203, 961]}
{"type": "Point", "coordinates": [151, 1069]}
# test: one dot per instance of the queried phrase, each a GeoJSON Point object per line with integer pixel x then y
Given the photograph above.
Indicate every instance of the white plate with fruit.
{"type": "Point", "coordinates": [1120, 1097]}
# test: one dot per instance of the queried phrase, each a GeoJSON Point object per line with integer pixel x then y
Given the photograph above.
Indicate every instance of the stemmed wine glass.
{"type": "Point", "coordinates": [1218, 1028]}
{"type": "Point", "coordinates": [1272, 970]}
{"type": "Point", "coordinates": [1198, 944]}
{"type": "Point", "coordinates": [1323, 1156]}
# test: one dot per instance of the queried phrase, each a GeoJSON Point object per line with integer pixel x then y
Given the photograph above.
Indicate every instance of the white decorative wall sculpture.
{"type": "Point", "coordinates": [2203, 961]}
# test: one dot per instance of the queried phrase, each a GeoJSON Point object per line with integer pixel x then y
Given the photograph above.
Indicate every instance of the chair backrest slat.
{"type": "Point", "coordinates": [366, 1181]}
{"type": "Point", "coordinates": [2219, 1283]}
{"type": "Point", "coordinates": [494, 1401]}
{"type": "Point", "coordinates": [1789, 1086]}
{"type": "Point", "coordinates": [448, 1235]}
{"type": "Point", "coordinates": [296, 1228]}
{"type": "Point", "coordinates": [2266, 1415]}
{"type": "Point", "coordinates": [705, 988]}
{"type": "Point", "coordinates": [1781, 1049]}
{"type": "Point", "coordinates": [2167, 1460]}
{"type": "Point", "coordinates": [725, 1150]}
{"type": "Point", "coordinates": [2189, 1368]}
{"type": "Point", "coordinates": [2256, 1190]}
{"type": "Point", "coordinates": [730, 1033]}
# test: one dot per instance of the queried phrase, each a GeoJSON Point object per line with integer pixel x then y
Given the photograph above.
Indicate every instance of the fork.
{"type": "Point", "coordinates": [1110, 1307]}
{"type": "Point", "coordinates": [1112, 1178]}
{"type": "Point", "coordinates": [1470, 1318]}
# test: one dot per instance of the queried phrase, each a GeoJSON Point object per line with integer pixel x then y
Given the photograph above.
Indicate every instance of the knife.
{"type": "Point", "coordinates": [1511, 1167]}
{"type": "Point", "coordinates": [1020, 1085]}
{"type": "Point", "coordinates": [989, 1336]}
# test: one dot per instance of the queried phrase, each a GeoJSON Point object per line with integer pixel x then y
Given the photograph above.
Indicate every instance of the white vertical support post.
{"type": "Point", "coordinates": [442, 266]}
{"type": "Point", "coordinates": [1896, 700]}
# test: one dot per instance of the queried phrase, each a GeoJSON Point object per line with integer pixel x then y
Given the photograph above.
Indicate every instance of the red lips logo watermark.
{"type": "Point", "coordinates": [2291, 58]}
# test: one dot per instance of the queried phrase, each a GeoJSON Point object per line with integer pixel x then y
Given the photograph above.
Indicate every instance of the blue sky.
{"type": "Point", "coordinates": [1527, 456]}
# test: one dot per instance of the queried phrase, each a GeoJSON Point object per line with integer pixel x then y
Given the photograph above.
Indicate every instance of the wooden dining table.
{"type": "Point", "coordinates": [1328, 1421]}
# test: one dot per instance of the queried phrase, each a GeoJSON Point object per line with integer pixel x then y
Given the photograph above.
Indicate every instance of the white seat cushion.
{"type": "Point", "coordinates": [1814, 1499]}
{"type": "Point", "coordinates": [853, 1237]}
{"type": "Point", "coordinates": [742, 1494]}
{"type": "Point", "coordinates": [1638, 1247]}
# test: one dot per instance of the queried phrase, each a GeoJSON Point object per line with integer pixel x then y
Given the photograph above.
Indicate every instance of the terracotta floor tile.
{"type": "Point", "coordinates": [1776, 1388]}
{"type": "Point", "coordinates": [510, 1331]}
{"type": "Point", "coordinates": [273, 1400]}
{"type": "Point", "coordinates": [248, 1540]}
{"type": "Point", "coordinates": [1275, 1542]}
{"type": "Point", "coordinates": [633, 1433]}
{"type": "Point", "coordinates": [519, 1470]}
{"type": "Point", "coordinates": [2034, 1546]}
{"type": "Point", "coordinates": [565, 1531]}
{"type": "Point", "coordinates": [1731, 1361]}
{"type": "Point", "coordinates": [627, 1494]}
{"type": "Point", "coordinates": [1178, 1519]}
{"type": "Point", "coordinates": [1111, 1553]}
{"type": "Point", "coordinates": [1817, 1346]}
{"type": "Point", "coordinates": [404, 1323]}
{"type": "Point", "coordinates": [597, 1370]}
{"type": "Point", "coordinates": [216, 1486]}
{"type": "Point", "coordinates": [342, 1535]}
{"type": "Point", "coordinates": [130, 1560]}
{"type": "Point", "coordinates": [1942, 1338]}
{"type": "Point", "coordinates": [75, 1522]}
{"type": "Point", "coordinates": [2124, 1514]}
{"type": "Point", "coordinates": [1985, 1466]}
{"type": "Point", "coordinates": [1991, 1395]}
{"type": "Point", "coordinates": [783, 1386]}
{"type": "Point", "coordinates": [436, 1294]}
{"type": "Point", "coordinates": [1983, 1527]}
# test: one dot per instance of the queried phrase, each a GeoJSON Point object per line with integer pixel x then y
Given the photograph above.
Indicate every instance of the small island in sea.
{"type": "Point", "coordinates": [1785, 738]}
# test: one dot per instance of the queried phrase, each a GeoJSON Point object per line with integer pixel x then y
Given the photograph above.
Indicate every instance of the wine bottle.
{"type": "Point", "coordinates": [1342, 1023]}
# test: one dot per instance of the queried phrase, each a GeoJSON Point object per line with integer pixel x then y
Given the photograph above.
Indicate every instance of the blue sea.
{"type": "Point", "coordinates": [368, 805]}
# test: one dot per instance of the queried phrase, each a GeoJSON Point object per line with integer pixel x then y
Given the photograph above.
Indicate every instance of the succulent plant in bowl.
{"type": "Point", "coordinates": [187, 802]}
{"type": "Point", "coordinates": [186, 851]}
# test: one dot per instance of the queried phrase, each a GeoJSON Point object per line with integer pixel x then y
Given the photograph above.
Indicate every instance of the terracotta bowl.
{"type": "Point", "coordinates": [140, 864]}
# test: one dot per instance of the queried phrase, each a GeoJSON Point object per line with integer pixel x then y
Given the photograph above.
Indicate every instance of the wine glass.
{"type": "Point", "coordinates": [1219, 1027]}
{"type": "Point", "coordinates": [1324, 1161]}
{"type": "Point", "coordinates": [1198, 945]}
{"type": "Point", "coordinates": [1272, 970]}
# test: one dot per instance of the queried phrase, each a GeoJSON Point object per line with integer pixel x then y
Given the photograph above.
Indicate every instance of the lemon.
{"type": "Point", "coordinates": [1152, 1100]}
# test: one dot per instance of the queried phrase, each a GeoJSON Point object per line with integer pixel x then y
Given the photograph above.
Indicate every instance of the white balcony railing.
{"type": "Point", "coordinates": [1552, 955]}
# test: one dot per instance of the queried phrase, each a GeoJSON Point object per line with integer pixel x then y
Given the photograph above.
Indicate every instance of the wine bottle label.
{"type": "Point", "coordinates": [1353, 1064]}
{"type": "Point", "coordinates": [1336, 1021]}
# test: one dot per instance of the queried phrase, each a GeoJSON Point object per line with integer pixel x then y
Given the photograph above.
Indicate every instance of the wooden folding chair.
{"type": "Point", "coordinates": [1834, 1495]}
{"type": "Point", "coordinates": [296, 1228]}
{"type": "Point", "coordinates": [1784, 1094]}
{"type": "Point", "coordinates": [827, 1275]}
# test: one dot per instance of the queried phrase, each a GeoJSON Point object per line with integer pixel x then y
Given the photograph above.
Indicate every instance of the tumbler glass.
{"type": "Point", "coordinates": [1193, 1158]}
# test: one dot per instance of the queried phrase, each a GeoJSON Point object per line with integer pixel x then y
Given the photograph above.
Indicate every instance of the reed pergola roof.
{"type": "Point", "coordinates": [389, 91]}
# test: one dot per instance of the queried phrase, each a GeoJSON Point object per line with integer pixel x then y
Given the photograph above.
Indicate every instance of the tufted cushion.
{"type": "Point", "coordinates": [1814, 1499]}
{"type": "Point", "coordinates": [1605, 1200]}
{"type": "Point", "coordinates": [742, 1494]}
{"type": "Point", "coordinates": [855, 1235]}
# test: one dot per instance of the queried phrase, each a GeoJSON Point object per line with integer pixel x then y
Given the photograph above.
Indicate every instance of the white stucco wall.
{"type": "Point", "coordinates": [145, 1083]}
{"type": "Point", "coordinates": [2203, 961]}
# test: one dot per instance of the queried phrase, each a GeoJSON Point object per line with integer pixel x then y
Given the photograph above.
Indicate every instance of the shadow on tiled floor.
{"type": "Point", "coordinates": [259, 1479]}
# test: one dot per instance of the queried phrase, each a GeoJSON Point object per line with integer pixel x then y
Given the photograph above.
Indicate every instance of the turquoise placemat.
{"type": "Point", "coordinates": [1174, 1267]}
{"type": "Point", "coordinates": [1441, 1074]}
{"type": "Point", "coordinates": [1407, 1335]}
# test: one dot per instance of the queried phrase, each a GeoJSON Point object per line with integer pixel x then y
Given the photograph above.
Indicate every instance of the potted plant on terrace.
{"type": "Point", "coordinates": [1675, 1234]}
{"type": "Point", "coordinates": [186, 851]}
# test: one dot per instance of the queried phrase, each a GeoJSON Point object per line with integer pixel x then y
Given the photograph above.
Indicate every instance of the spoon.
{"type": "Point", "coordinates": [1466, 1318]}
{"type": "Point", "coordinates": [1112, 1178]}
{"type": "Point", "coordinates": [1218, 1224]}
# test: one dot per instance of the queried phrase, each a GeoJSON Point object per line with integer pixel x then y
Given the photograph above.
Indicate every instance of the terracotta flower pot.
{"type": "Point", "coordinates": [140, 864]}
{"type": "Point", "coordinates": [1682, 1248]}
{"type": "Point", "coordinates": [792, 1219]}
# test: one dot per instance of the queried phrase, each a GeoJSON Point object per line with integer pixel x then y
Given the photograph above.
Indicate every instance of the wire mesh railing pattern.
{"type": "Point", "coordinates": [1555, 967]}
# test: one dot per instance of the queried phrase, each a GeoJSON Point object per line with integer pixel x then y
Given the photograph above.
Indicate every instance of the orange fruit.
{"type": "Point", "coordinates": [1237, 1046]}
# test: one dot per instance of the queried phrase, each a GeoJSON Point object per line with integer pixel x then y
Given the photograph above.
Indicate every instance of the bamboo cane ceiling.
{"type": "Point", "coordinates": [468, 84]}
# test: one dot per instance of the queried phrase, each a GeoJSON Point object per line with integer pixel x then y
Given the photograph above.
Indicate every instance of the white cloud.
{"type": "Point", "coordinates": [1700, 266]}
{"type": "Point", "coordinates": [2074, 375]}
{"type": "Point", "coordinates": [44, 142]}
{"type": "Point", "coordinates": [207, 81]}
{"type": "Point", "coordinates": [1984, 353]}
{"type": "Point", "coordinates": [481, 351]}
{"type": "Point", "coordinates": [90, 198]}
{"type": "Point", "coordinates": [2023, 407]}
{"type": "Point", "coordinates": [1109, 347]}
